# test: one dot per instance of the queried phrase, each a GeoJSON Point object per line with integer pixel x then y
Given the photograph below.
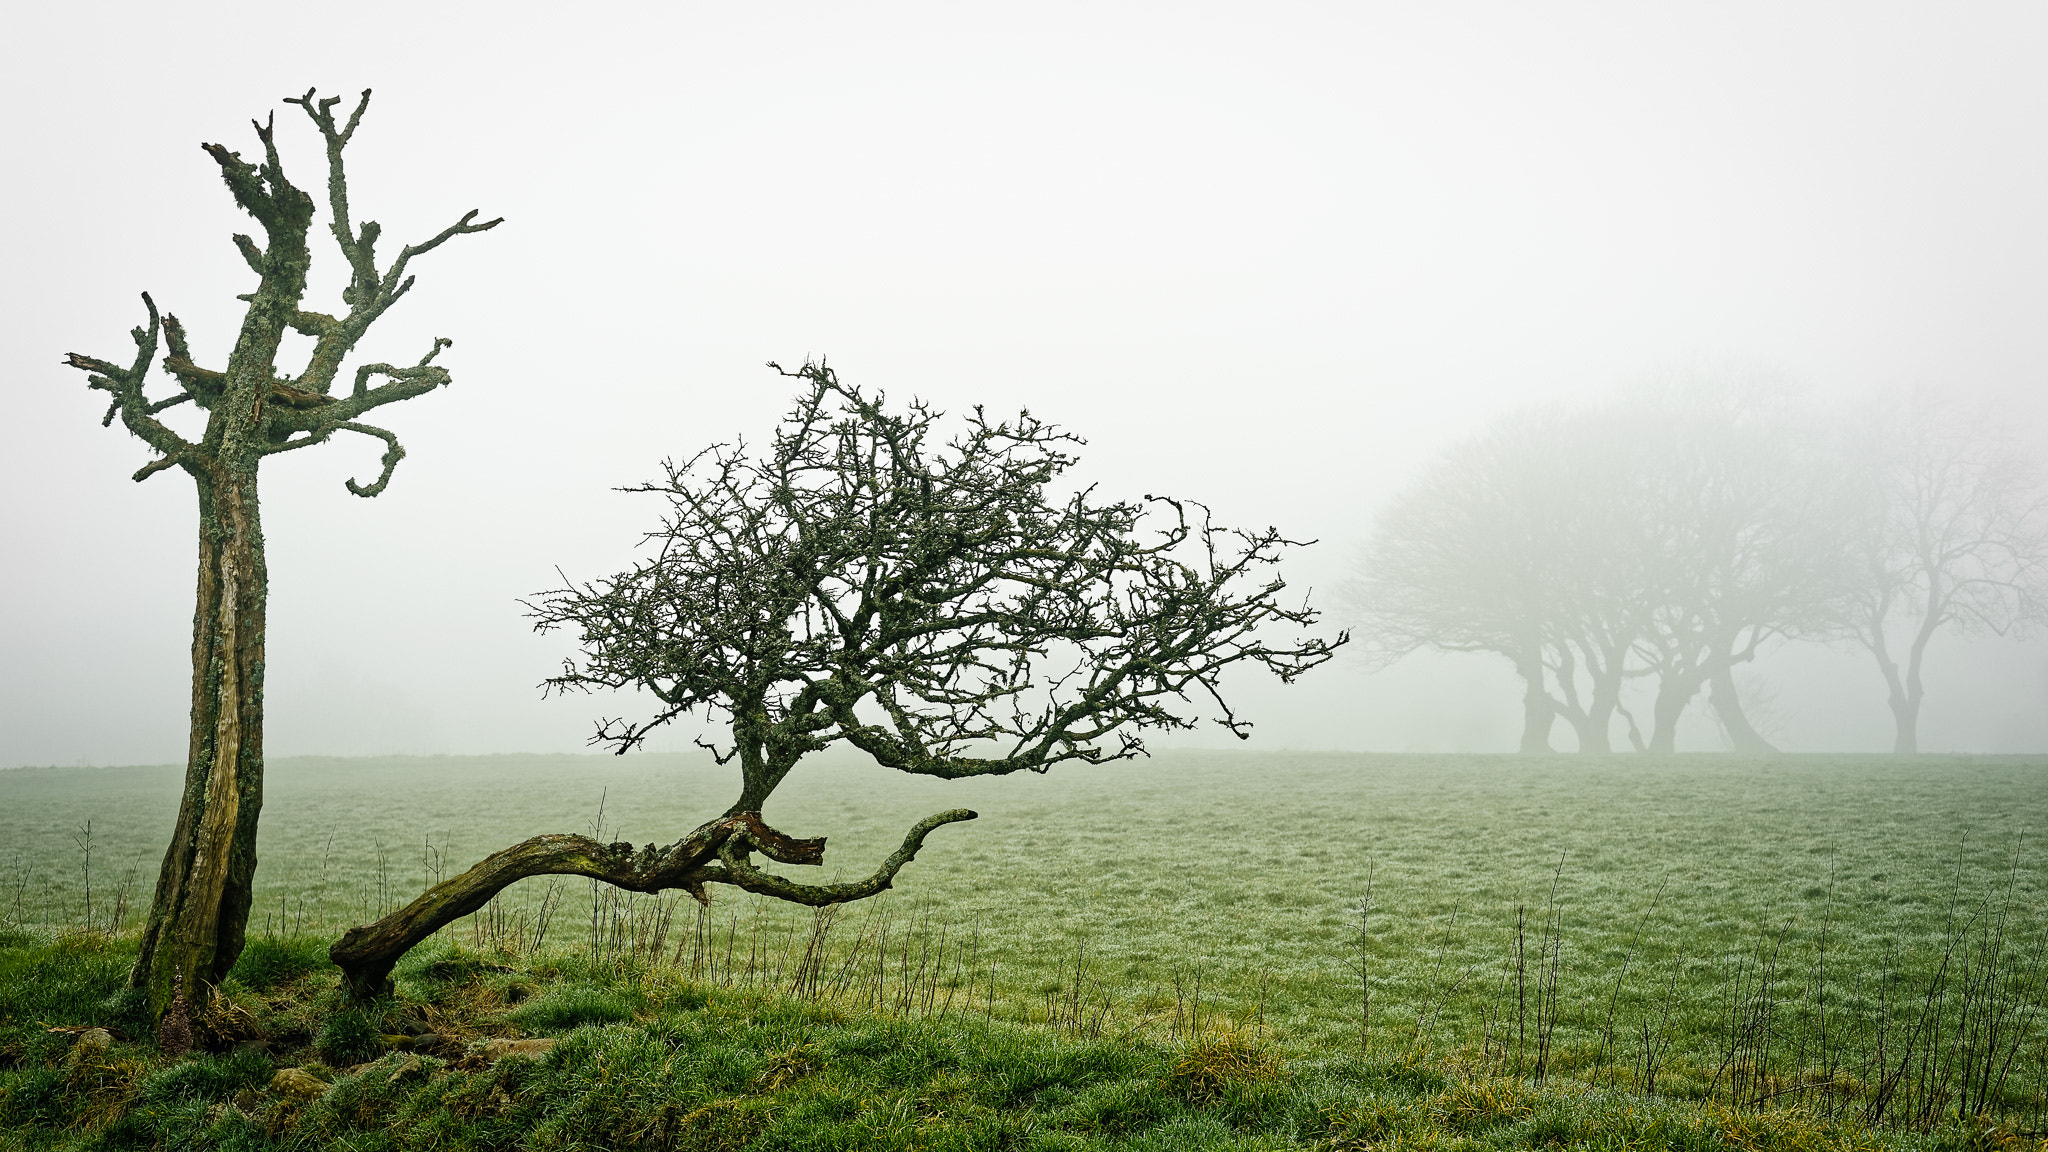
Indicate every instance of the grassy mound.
{"type": "Point", "coordinates": [553, 1053]}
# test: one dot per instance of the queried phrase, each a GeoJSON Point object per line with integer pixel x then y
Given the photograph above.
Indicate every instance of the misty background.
{"type": "Point", "coordinates": [1276, 258]}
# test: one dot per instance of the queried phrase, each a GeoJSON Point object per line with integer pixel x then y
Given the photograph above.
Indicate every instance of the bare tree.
{"type": "Point", "coordinates": [1671, 534]}
{"type": "Point", "coordinates": [934, 604]}
{"type": "Point", "coordinates": [203, 894]}
{"type": "Point", "coordinates": [1463, 560]}
{"type": "Point", "coordinates": [1952, 536]}
{"type": "Point", "coordinates": [1519, 542]}
{"type": "Point", "coordinates": [1743, 545]}
{"type": "Point", "coordinates": [1602, 556]}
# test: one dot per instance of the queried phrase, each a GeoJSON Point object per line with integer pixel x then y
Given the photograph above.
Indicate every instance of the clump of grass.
{"type": "Point", "coordinates": [268, 961]}
{"type": "Point", "coordinates": [349, 1037]}
{"type": "Point", "coordinates": [1210, 1065]}
{"type": "Point", "coordinates": [205, 1078]}
{"type": "Point", "coordinates": [571, 1006]}
{"type": "Point", "coordinates": [75, 980]}
{"type": "Point", "coordinates": [787, 1067]}
{"type": "Point", "coordinates": [1484, 1102]}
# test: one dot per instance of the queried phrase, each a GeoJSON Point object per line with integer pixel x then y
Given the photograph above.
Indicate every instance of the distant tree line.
{"type": "Point", "coordinates": [1669, 536]}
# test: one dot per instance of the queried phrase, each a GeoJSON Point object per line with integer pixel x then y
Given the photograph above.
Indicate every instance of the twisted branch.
{"type": "Point", "coordinates": [128, 402]}
{"type": "Point", "coordinates": [743, 874]}
{"type": "Point", "coordinates": [714, 853]}
{"type": "Point", "coordinates": [393, 453]}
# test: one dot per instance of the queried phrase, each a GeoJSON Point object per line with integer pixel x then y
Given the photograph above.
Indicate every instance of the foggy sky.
{"type": "Point", "coordinates": [1269, 256]}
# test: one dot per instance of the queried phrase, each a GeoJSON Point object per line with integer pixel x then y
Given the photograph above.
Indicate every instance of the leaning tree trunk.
{"type": "Point", "coordinates": [205, 890]}
{"type": "Point", "coordinates": [1728, 707]}
{"type": "Point", "coordinates": [715, 853]}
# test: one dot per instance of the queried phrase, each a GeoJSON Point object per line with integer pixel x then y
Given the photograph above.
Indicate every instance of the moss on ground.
{"type": "Point", "coordinates": [646, 1061]}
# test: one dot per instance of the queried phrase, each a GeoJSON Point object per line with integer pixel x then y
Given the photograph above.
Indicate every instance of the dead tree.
{"type": "Point", "coordinates": [253, 411]}
{"type": "Point", "coordinates": [934, 604]}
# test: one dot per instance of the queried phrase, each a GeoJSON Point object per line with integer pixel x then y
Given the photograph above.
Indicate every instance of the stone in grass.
{"type": "Point", "coordinates": [91, 1044]}
{"type": "Point", "coordinates": [494, 1050]}
{"type": "Point", "coordinates": [297, 1083]}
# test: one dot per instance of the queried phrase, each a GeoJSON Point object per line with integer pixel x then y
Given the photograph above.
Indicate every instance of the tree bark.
{"type": "Point", "coordinates": [204, 892]}
{"type": "Point", "coordinates": [1728, 706]}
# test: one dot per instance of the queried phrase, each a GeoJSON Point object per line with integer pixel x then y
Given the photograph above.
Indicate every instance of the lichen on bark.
{"type": "Point", "coordinates": [200, 910]}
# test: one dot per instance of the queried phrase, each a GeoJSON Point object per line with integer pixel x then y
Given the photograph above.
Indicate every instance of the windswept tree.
{"type": "Point", "coordinates": [1952, 535]}
{"type": "Point", "coordinates": [253, 410]}
{"type": "Point", "coordinates": [1669, 535]}
{"type": "Point", "coordinates": [941, 605]}
{"type": "Point", "coordinates": [1462, 560]}
{"type": "Point", "coordinates": [1742, 545]}
{"type": "Point", "coordinates": [1520, 543]}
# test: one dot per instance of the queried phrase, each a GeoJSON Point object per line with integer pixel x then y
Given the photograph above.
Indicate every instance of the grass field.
{"type": "Point", "coordinates": [561, 1053]}
{"type": "Point", "coordinates": [1726, 926]}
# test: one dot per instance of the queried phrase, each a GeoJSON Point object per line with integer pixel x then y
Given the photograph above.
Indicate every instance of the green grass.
{"type": "Point", "coordinates": [1679, 876]}
{"type": "Point", "coordinates": [688, 1067]}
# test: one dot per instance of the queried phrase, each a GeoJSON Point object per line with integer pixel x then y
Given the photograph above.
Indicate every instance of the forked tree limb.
{"type": "Point", "coordinates": [715, 853]}
{"type": "Point", "coordinates": [741, 873]}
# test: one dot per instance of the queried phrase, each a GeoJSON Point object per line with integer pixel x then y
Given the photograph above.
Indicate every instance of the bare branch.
{"type": "Point", "coordinates": [393, 453]}
{"type": "Point", "coordinates": [153, 467]}
{"type": "Point", "coordinates": [125, 385]}
{"type": "Point", "coordinates": [393, 286]}
{"type": "Point", "coordinates": [359, 251]}
{"type": "Point", "coordinates": [742, 873]}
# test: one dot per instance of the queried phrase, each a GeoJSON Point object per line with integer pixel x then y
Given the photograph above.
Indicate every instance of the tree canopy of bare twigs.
{"type": "Point", "coordinates": [940, 603]}
{"type": "Point", "coordinates": [1951, 535]}
{"type": "Point", "coordinates": [253, 410]}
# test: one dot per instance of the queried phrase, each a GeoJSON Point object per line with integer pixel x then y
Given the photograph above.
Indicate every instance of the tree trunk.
{"type": "Point", "coordinates": [1674, 692]}
{"type": "Point", "coordinates": [204, 893]}
{"type": "Point", "coordinates": [1594, 734]}
{"type": "Point", "coordinates": [1906, 696]}
{"type": "Point", "coordinates": [1906, 718]}
{"type": "Point", "coordinates": [1597, 736]}
{"type": "Point", "coordinates": [1539, 712]}
{"type": "Point", "coordinates": [1728, 706]}
{"type": "Point", "coordinates": [1590, 726]}
{"type": "Point", "coordinates": [1606, 700]}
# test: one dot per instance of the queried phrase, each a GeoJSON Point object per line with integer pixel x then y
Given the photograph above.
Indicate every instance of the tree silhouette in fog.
{"type": "Point", "coordinates": [1951, 535]}
{"type": "Point", "coordinates": [1668, 536]}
